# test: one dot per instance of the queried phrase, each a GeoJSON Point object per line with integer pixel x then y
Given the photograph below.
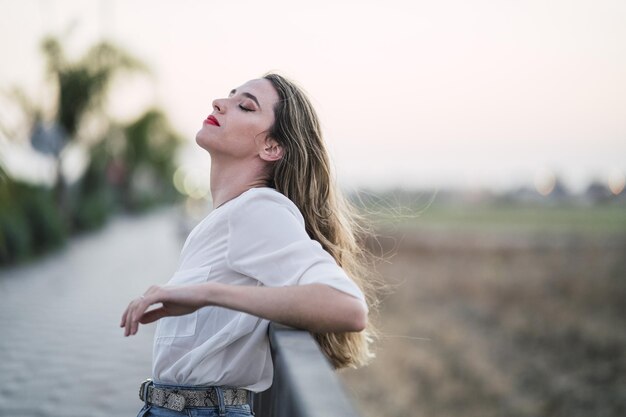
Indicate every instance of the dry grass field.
{"type": "Point", "coordinates": [504, 319]}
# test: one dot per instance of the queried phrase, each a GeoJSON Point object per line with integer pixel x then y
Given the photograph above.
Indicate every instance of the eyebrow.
{"type": "Point", "coordinates": [250, 96]}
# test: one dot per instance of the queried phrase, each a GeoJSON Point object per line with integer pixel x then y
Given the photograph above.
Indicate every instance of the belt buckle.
{"type": "Point", "coordinates": [143, 389]}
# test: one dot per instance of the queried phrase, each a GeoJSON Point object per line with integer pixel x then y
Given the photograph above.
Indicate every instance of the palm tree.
{"type": "Point", "coordinates": [81, 86]}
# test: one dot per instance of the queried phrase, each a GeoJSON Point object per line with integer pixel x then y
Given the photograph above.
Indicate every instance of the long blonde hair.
{"type": "Point", "coordinates": [304, 176]}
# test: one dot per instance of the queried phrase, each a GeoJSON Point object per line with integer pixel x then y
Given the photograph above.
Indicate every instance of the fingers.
{"type": "Point", "coordinates": [128, 318]}
{"type": "Point", "coordinates": [133, 313]}
{"type": "Point", "coordinates": [132, 316]}
{"type": "Point", "coordinates": [123, 320]}
{"type": "Point", "coordinates": [125, 314]}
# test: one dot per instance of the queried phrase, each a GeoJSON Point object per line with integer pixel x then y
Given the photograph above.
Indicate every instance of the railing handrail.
{"type": "Point", "coordinates": [304, 383]}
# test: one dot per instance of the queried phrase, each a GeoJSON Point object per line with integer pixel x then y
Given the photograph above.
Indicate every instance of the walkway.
{"type": "Point", "coordinates": [61, 350]}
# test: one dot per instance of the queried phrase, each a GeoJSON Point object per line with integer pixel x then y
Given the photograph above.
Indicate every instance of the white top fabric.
{"type": "Point", "coordinates": [257, 239]}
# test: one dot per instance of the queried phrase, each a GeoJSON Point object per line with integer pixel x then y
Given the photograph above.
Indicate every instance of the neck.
{"type": "Point", "coordinates": [229, 180]}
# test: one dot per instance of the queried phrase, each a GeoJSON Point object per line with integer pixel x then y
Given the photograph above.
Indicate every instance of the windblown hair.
{"type": "Point", "coordinates": [304, 176]}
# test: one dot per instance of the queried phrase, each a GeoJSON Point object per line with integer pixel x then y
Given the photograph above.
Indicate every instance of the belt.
{"type": "Point", "coordinates": [177, 399]}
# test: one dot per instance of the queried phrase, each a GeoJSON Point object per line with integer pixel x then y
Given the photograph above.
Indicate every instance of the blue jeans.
{"type": "Point", "coordinates": [149, 410]}
{"type": "Point", "coordinates": [230, 411]}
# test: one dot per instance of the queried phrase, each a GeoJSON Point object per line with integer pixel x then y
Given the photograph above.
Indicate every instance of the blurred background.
{"type": "Point", "coordinates": [484, 140]}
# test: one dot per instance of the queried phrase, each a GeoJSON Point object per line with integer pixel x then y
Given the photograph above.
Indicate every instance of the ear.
{"type": "Point", "coordinates": [270, 150]}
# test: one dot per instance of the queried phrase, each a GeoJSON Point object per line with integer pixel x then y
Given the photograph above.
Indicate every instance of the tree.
{"type": "Point", "coordinates": [150, 144]}
{"type": "Point", "coordinates": [81, 87]}
{"type": "Point", "coordinates": [131, 164]}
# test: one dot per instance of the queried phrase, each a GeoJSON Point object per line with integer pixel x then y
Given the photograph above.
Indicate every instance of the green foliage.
{"type": "Point", "coordinates": [84, 83]}
{"type": "Point", "coordinates": [92, 211]}
{"type": "Point", "coordinates": [15, 238]}
{"type": "Point", "coordinates": [148, 156]}
{"type": "Point", "coordinates": [538, 218]}
{"type": "Point", "coordinates": [94, 195]}
{"type": "Point", "coordinates": [30, 221]}
{"type": "Point", "coordinates": [131, 168]}
{"type": "Point", "coordinates": [422, 209]}
{"type": "Point", "coordinates": [44, 218]}
{"type": "Point", "coordinates": [82, 86]}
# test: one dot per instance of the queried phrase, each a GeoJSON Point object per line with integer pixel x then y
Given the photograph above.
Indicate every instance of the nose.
{"type": "Point", "coordinates": [219, 105]}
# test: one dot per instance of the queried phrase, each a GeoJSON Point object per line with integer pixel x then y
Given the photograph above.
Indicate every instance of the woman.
{"type": "Point", "coordinates": [280, 245]}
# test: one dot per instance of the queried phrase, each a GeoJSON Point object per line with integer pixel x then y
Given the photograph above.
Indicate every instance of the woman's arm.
{"type": "Point", "coordinates": [316, 307]}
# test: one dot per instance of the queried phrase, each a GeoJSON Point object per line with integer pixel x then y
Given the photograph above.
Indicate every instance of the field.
{"type": "Point", "coordinates": [499, 311]}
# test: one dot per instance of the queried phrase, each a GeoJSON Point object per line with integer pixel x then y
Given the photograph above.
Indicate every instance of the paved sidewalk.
{"type": "Point", "coordinates": [61, 350]}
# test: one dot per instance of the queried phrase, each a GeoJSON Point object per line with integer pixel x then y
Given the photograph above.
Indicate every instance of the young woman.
{"type": "Point", "coordinates": [280, 245]}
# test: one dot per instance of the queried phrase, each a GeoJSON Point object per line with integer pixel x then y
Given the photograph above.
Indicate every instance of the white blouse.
{"type": "Point", "coordinates": [258, 239]}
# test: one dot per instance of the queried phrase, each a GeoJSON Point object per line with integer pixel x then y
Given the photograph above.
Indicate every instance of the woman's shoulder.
{"type": "Point", "coordinates": [265, 196]}
{"type": "Point", "coordinates": [264, 200]}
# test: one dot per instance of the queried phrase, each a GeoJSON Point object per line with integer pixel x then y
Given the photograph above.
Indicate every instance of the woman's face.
{"type": "Point", "coordinates": [239, 121]}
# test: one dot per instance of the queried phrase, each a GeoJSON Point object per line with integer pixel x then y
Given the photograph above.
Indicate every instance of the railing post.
{"type": "Point", "coordinates": [304, 384]}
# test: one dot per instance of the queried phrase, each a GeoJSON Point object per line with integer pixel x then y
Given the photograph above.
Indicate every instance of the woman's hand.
{"type": "Point", "coordinates": [175, 300]}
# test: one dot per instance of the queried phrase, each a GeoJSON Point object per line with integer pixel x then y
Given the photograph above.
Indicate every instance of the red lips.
{"type": "Point", "coordinates": [211, 120]}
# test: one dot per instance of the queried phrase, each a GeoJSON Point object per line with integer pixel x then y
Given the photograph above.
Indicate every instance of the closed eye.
{"type": "Point", "coordinates": [246, 109]}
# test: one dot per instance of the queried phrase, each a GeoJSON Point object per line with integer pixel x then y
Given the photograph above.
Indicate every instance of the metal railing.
{"type": "Point", "coordinates": [304, 383]}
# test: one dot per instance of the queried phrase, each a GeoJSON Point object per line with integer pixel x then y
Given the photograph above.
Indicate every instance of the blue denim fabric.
{"type": "Point", "coordinates": [229, 410]}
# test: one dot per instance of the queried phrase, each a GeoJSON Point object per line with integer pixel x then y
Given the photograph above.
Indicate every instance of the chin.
{"type": "Point", "coordinates": [202, 141]}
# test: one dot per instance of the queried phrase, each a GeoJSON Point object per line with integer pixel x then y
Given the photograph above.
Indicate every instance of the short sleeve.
{"type": "Point", "coordinates": [268, 242]}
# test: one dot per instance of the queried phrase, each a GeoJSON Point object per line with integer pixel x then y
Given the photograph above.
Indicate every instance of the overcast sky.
{"type": "Point", "coordinates": [411, 93]}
